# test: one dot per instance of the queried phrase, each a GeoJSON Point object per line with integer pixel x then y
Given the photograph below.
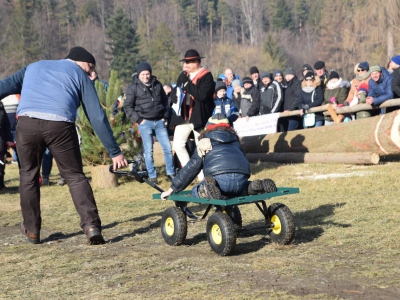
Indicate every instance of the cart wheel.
{"type": "Point", "coordinates": [174, 226]}
{"type": "Point", "coordinates": [282, 219]}
{"type": "Point", "coordinates": [236, 216]}
{"type": "Point", "coordinates": [221, 233]}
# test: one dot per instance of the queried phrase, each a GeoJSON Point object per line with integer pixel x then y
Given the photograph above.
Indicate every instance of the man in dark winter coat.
{"type": "Point", "coordinates": [321, 72]}
{"type": "Point", "coordinates": [192, 110]}
{"type": "Point", "coordinates": [271, 95]}
{"type": "Point", "coordinates": [147, 105]}
{"type": "Point", "coordinates": [395, 79]}
{"type": "Point", "coordinates": [291, 100]}
{"type": "Point", "coordinates": [250, 99]}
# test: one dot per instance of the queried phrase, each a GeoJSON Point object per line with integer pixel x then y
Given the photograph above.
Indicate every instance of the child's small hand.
{"type": "Point", "coordinates": [165, 194]}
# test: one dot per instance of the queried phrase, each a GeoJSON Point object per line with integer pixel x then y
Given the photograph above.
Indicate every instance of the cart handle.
{"type": "Point", "coordinates": [132, 172]}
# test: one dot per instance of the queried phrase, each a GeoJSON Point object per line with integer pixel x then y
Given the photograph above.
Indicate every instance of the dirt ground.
{"type": "Point", "coordinates": [337, 253]}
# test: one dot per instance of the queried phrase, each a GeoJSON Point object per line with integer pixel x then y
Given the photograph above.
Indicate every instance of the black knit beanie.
{"type": "Point", "coordinates": [143, 66]}
{"type": "Point", "coordinates": [81, 54]}
{"type": "Point", "coordinates": [219, 86]}
{"type": "Point", "coordinates": [253, 70]}
{"type": "Point", "coordinates": [333, 74]}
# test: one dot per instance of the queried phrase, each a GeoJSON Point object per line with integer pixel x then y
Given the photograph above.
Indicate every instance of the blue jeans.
{"type": "Point", "coordinates": [47, 162]}
{"type": "Point", "coordinates": [146, 131]}
{"type": "Point", "coordinates": [230, 184]}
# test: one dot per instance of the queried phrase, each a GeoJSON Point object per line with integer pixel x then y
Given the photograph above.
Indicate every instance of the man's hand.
{"type": "Point", "coordinates": [183, 79]}
{"type": "Point", "coordinates": [247, 118]}
{"type": "Point", "coordinates": [119, 162]}
{"type": "Point", "coordinates": [165, 194]}
{"type": "Point", "coordinates": [369, 100]}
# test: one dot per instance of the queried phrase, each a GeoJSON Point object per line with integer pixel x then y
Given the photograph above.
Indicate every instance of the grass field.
{"type": "Point", "coordinates": [346, 247]}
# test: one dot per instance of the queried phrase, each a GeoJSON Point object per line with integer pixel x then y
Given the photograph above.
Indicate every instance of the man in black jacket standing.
{"type": "Point", "coordinates": [195, 106]}
{"type": "Point", "coordinates": [147, 105]}
{"type": "Point", "coordinates": [291, 101]}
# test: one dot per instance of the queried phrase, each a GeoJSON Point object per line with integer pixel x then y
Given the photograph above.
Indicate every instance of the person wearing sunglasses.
{"type": "Point", "coordinates": [361, 70]}
{"type": "Point", "coordinates": [311, 96]}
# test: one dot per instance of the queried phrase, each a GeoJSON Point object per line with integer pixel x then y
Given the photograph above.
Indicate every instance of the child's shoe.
{"type": "Point", "coordinates": [269, 186]}
{"type": "Point", "coordinates": [209, 189]}
{"type": "Point", "coordinates": [255, 187]}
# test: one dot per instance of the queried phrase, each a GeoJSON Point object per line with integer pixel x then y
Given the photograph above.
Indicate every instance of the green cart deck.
{"type": "Point", "coordinates": [186, 196]}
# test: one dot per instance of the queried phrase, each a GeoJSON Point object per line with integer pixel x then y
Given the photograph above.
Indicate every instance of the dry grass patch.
{"type": "Point", "coordinates": [346, 243]}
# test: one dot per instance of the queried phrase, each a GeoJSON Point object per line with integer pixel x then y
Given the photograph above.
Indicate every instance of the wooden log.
{"type": "Point", "coordinates": [358, 158]}
{"type": "Point", "coordinates": [344, 109]}
{"type": "Point", "coordinates": [102, 178]}
{"type": "Point", "coordinates": [378, 134]}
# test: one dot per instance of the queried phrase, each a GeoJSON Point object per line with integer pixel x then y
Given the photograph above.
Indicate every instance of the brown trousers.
{"type": "Point", "coordinates": [33, 136]}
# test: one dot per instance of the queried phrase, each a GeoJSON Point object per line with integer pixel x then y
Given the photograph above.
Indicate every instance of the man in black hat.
{"type": "Point", "coordinates": [321, 72]}
{"type": "Point", "coordinates": [51, 92]}
{"type": "Point", "coordinates": [197, 103]}
{"type": "Point", "coordinates": [255, 76]}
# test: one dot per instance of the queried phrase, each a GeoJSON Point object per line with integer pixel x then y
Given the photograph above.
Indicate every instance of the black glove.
{"type": "Point", "coordinates": [182, 80]}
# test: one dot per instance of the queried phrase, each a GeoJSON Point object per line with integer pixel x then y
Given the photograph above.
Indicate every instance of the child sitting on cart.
{"type": "Point", "coordinates": [225, 166]}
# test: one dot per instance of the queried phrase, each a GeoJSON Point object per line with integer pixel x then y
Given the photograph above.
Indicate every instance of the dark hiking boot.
{"type": "Point", "coordinates": [209, 189]}
{"type": "Point", "coordinates": [255, 187]}
{"type": "Point", "coordinates": [269, 186]}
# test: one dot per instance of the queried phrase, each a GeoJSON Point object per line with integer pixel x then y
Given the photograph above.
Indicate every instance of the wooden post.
{"type": "Point", "coordinates": [102, 178]}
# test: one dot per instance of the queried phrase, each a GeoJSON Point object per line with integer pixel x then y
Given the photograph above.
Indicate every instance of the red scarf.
{"type": "Point", "coordinates": [187, 111]}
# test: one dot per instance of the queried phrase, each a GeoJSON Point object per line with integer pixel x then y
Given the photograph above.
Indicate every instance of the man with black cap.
{"type": "Point", "coordinates": [51, 92]}
{"type": "Point", "coordinates": [147, 105]}
{"type": "Point", "coordinates": [321, 72]}
{"type": "Point", "coordinates": [197, 103]}
{"type": "Point", "coordinates": [255, 76]}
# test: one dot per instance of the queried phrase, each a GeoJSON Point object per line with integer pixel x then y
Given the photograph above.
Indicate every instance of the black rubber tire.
{"type": "Point", "coordinates": [174, 226]}
{"type": "Point", "coordinates": [284, 230]}
{"type": "Point", "coordinates": [269, 186]}
{"type": "Point", "coordinates": [234, 213]}
{"type": "Point", "coordinates": [221, 233]}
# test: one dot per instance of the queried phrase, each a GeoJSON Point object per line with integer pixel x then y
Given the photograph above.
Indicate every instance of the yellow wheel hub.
{"type": "Point", "coordinates": [216, 234]}
{"type": "Point", "coordinates": [169, 226]}
{"type": "Point", "coordinates": [277, 224]}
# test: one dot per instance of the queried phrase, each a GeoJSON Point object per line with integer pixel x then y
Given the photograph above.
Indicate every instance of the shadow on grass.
{"type": "Point", "coordinates": [10, 190]}
{"type": "Point", "coordinates": [315, 218]}
{"type": "Point", "coordinates": [312, 219]}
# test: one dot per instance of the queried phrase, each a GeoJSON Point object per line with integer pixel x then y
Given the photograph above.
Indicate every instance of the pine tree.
{"type": "Point", "coordinates": [123, 42]}
{"type": "Point", "coordinates": [281, 17]}
{"type": "Point", "coordinates": [272, 48]}
{"type": "Point", "coordinates": [93, 151]}
{"type": "Point", "coordinates": [162, 55]}
{"type": "Point", "coordinates": [299, 14]}
{"type": "Point", "coordinates": [23, 42]}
